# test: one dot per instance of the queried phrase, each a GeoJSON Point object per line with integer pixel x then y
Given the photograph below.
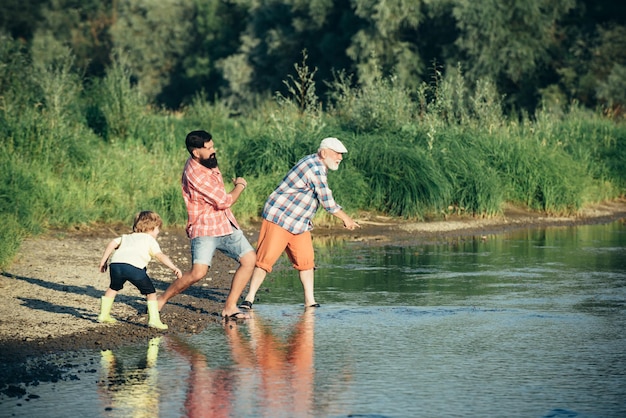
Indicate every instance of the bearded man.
{"type": "Point", "coordinates": [211, 224]}
{"type": "Point", "coordinates": [288, 214]}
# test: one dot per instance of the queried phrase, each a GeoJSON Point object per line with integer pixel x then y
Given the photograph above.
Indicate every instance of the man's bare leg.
{"type": "Point", "coordinates": [257, 280]}
{"type": "Point", "coordinates": [307, 277]}
{"type": "Point", "coordinates": [240, 280]}
{"type": "Point", "coordinates": [197, 272]}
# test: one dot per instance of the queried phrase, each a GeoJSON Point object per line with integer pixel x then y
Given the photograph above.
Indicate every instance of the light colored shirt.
{"type": "Point", "coordinates": [136, 249]}
{"type": "Point", "coordinates": [293, 204]}
{"type": "Point", "coordinates": [208, 204]}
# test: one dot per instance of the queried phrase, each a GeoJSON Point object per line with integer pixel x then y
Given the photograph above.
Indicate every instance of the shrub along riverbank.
{"type": "Point", "coordinates": [76, 152]}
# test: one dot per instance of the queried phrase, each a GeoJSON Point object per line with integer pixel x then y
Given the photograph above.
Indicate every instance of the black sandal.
{"type": "Point", "coordinates": [246, 305]}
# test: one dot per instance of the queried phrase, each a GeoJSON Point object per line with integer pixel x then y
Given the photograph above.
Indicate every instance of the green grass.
{"type": "Point", "coordinates": [72, 155]}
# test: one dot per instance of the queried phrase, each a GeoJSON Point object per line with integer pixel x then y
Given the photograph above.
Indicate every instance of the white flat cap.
{"type": "Point", "coordinates": [333, 144]}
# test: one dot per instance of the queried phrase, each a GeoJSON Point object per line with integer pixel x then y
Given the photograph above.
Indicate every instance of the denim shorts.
{"type": "Point", "coordinates": [234, 246]}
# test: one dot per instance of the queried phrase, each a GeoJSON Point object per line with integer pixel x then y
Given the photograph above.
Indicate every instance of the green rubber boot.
{"type": "Point", "coordinates": [154, 319]}
{"type": "Point", "coordinates": [105, 311]}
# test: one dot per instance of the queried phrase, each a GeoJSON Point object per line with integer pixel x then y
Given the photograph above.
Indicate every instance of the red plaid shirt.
{"type": "Point", "coordinates": [208, 204]}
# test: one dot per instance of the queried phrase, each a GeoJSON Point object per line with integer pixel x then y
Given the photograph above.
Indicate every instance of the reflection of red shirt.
{"type": "Point", "coordinates": [208, 204]}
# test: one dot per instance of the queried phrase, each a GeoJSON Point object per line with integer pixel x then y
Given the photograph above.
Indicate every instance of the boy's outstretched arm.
{"type": "Point", "coordinates": [107, 253]}
{"type": "Point", "coordinates": [165, 260]}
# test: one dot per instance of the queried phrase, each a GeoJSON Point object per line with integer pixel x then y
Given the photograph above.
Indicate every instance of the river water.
{"type": "Point", "coordinates": [528, 324]}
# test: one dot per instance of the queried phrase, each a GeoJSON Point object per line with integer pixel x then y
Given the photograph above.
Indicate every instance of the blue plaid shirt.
{"type": "Point", "coordinates": [293, 204]}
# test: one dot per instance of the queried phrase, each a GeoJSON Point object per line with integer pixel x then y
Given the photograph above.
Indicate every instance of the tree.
{"type": "Point", "coordinates": [592, 54]}
{"type": "Point", "coordinates": [508, 41]}
{"type": "Point", "coordinates": [609, 66]}
{"type": "Point", "coordinates": [155, 37]}
{"type": "Point", "coordinates": [83, 26]}
{"type": "Point", "coordinates": [388, 41]}
{"type": "Point", "coordinates": [214, 35]}
{"type": "Point", "coordinates": [20, 17]}
{"type": "Point", "coordinates": [276, 34]}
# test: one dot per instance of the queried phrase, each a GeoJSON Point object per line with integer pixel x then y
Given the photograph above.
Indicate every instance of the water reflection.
{"type": "Point", "coordinates": [269, 375]}
{"type": "Point", "coordinates": [524, 324]}
{"type": "Point", "coordinates": [285, 367]}
{"type": "Point", "coordinates": [209, 391]}
{"type": "Point", "coordinates": [269, 370]}
{"type": "Point", "coordinates": [130, 390]}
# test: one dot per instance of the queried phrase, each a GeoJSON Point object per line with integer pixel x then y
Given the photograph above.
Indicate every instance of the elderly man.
{"type": "Point", "coordinates": [287, 216]}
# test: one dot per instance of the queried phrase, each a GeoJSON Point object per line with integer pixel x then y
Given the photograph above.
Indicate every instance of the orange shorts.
{"type": "Point", "coordinates": [273, 240]}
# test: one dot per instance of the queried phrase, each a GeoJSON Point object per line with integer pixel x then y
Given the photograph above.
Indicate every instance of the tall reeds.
{"type": "Point", "coordinates": [73, 155]}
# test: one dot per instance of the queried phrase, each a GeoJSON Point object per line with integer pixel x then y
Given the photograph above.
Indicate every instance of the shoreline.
{"type": "Point", "coordinates": [50, 294]}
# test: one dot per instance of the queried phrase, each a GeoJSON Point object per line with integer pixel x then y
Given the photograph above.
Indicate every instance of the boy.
{"type": "Point", "coordinates": [132, 254]}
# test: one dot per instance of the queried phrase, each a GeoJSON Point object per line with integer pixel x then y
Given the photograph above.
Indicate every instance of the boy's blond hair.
{"type": "Point", "coordinates": [146, 221]}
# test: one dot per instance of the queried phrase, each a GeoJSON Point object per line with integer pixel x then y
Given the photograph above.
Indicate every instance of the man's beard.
{"type": "Point", "coordinates": [210, 162]}
{"type": "Point", "coordinates": [331, 164]}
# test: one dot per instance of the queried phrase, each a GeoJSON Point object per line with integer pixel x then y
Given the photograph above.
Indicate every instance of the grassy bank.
{"type": "Point", "coordinates": [76, 152]}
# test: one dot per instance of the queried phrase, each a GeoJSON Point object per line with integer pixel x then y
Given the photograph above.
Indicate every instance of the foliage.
{"type": "Point", "coordinates": [81, 25]}
{"type": "Point", "coordinates": [476, 186]}
{"type": "Point", "coordinates": [402, 180]}
{"type": "Point", "coordinates": [72, 155]}
{"type": "Point", "coordinates": [613, 90]}
{"type": "Point", "coordinates": [14, 60]}
{"type": "Point", "coordinates": [117, 106]}
{"type": "Point", "coordinates": [388, 40]}
{"type": "Point", "coordinates": [517, 39]}
{"type": "Point", "coordinates": [383, 104]}
{"type": "Point", "coordinates": [302, 89]}
{"type": "Point", "coordinates": [534, 52]}
{"type": "Point", "coordinates": [11, 235]}
{"type": "Point", "coordinates": [153, 45]}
